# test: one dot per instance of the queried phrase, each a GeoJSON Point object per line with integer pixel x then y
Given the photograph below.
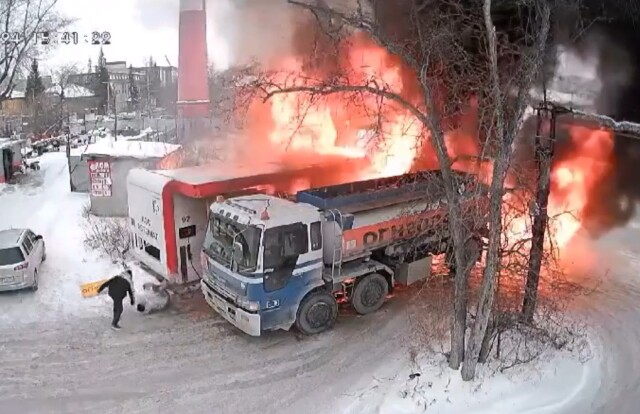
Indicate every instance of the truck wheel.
{"type": "Point", "coordinates": [370, 293]}
{"type": "Point", "coordinates": [317, 313]}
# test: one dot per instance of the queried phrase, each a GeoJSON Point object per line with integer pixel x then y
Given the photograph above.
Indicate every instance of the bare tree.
{"type": "Point", "coordinates": [60, 87]}
{"type": "Point", "coordinates": [505, 130]}
{"type": "Point", "coordinates": [454, 55]}
{"type": "Point", "coordinates": [107, 235]}
{"type": "Point", "coordinates": [433, 47]}
{"type": "Point", "coordinates": [22, 21]}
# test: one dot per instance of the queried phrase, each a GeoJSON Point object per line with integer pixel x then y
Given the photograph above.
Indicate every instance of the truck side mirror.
{"type": "Point", "coordinates": [37, 237]}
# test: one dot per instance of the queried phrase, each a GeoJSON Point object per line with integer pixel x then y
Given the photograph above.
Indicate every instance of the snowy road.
{"type": "Point", "coordinates": [614, 312]}
{"type": "Point", "coordinates": [171, 363]}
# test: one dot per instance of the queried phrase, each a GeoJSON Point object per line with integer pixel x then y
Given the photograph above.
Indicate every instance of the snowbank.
{"type": "Point", "coordinates": [554, 383]}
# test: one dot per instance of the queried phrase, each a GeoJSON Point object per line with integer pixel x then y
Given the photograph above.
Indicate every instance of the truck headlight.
{"type": "Point", "coordinates": [248, 305]}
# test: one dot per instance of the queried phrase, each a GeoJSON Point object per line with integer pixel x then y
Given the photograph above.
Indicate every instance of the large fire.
{"type": "Point", "coordinates": [574, 179]}
{"type": "Point", "coordinates": [394, 141]}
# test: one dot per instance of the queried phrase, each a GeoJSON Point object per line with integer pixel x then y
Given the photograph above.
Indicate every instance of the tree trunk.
{"type": "Point", "coordinates": [68, 151]}
{"type": "Point", "coordinates": [460, 297]}
{"type": "Point", "coordinates": [485, 348]}
{"type": "Point", "coordinates": [485, 301]}
{"type": "Point", "coordinates": [544, 148]}
{"type": "Point", "coordinates": [457, 231]}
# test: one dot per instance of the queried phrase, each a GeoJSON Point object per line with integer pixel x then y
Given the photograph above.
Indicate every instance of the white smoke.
{"type": "Point", "coordinates": [592, 73]}
{"type": "Point", "coordinates": [251, 30]}
{"type": "Point", "coordinates": [257, 30]}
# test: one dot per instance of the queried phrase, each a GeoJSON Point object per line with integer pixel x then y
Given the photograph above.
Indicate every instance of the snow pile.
{"type": "Point", "coordinates": [70, 91]}
{"type": "Point", "coordinates": [552, 384]}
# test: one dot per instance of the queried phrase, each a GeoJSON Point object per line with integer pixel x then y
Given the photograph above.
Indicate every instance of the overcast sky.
{"type": "Point", "coordinates": [139, 29]}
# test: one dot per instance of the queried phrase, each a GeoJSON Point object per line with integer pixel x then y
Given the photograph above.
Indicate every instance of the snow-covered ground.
{"type": "Point", "coordinates": [557, 382]}
{"type": "Point", "coordinates": [43, 203]}
{"type": "Point", "coordinates": [605, 379]}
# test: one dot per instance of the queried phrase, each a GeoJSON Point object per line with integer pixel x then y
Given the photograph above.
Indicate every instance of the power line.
{"type": "Point", "coordinates": [621, 128]}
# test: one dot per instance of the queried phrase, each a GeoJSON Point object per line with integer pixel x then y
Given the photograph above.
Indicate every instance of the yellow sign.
{"type": "Point", "coordinates": [90, 289]}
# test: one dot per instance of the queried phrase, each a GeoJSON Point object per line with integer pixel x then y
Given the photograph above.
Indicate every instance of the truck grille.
{"type": "Point", "coordinates": [220, 288]}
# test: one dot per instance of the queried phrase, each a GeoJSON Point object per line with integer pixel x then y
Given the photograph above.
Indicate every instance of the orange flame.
{"type": "Point", "coordinates": [397, 142]}
{"type": "Point", "coordinates": [574, 179]}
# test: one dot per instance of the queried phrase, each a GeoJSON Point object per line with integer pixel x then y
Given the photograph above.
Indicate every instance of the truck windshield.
{"type": "Point", "coordinates": [11, 256]}
{"type": "Point", "coordinates": [218, 243]}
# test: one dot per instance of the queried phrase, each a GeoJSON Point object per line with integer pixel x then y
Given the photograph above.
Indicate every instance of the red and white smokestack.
{"type": "Point", "coordinates": [193, 86]}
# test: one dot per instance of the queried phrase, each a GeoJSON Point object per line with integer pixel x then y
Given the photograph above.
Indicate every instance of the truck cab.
{"type": "Point", "coordinates": [261, 255]}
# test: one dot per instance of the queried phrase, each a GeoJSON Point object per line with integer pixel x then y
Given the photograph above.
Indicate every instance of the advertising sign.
{"type": "Point", "coordinates": [100, 176]}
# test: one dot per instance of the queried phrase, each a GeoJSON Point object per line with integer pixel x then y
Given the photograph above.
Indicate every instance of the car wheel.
{"type": "Point", "coordinates": [35, 280]}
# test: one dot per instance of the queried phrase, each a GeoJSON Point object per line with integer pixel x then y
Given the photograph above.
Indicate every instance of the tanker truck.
{"type": "Point", "coordinates": [272, 263]}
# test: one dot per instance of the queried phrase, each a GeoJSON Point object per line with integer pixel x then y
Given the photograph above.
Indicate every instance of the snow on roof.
{"type": "Point", "coordinates": [132, 149]}
{"type": "Point", "coordinates": [147, 179]}
{"type": "Point", "coordinates": [280, 210]}
{"type": "Point", "coordinates": [17, 94]}
{"type": "Point", "coordinates": [10, 237]}
{"type": "Point", "coordinates": [108, 140]}
{"type": "Point", "coordinates": [627, 127]}
{"type": "Point", "coordinates": [9, 142]}
{"type": "Point", "coordinates": [71, 91]}
{"type": "Point", "coordinates": [220, 171]}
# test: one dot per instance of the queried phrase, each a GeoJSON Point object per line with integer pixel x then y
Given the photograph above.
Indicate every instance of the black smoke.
{"type": "Point", "coordinates": [611, 30]}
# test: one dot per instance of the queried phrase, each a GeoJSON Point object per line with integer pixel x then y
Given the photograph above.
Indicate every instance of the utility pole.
{"type": "Point", "coordinates": [148, 91]}
{"type": "Point", "coordinates": [544, 152]}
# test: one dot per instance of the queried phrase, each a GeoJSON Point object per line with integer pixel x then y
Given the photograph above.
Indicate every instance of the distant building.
{"type": "Point", "coordinates": [156, 84]}
{"type": "Point", "coordinates": [16, 104]}
{"type": "Point", "coordinates": [77, 99]}
{"type": "Point", "coordinates": [14, 111]}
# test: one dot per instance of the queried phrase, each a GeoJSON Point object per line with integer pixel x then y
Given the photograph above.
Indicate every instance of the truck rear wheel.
{"type": "Point", "coordinates": [317, 313]}
{"type": "Point", "coordinates": [370, 293]}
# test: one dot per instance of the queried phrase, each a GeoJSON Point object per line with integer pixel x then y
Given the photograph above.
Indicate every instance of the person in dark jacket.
{"type": "Point", "coordinates": [119, 286]}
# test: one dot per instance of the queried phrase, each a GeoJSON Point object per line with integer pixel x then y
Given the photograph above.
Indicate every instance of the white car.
{"type": "Point", "coordinates": [21, 255]}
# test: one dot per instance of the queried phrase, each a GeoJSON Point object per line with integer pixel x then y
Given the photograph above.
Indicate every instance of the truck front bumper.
{"type": "Point", "coordinates": [247, 322]}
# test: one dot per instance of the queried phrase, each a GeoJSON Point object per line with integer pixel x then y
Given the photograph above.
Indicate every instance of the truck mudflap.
{"type": "Point", "coordinates": [248, 323]}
